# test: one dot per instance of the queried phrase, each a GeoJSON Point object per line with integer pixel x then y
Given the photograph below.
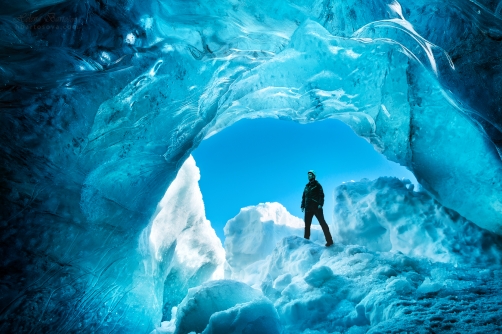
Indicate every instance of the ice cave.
{"type": "Point", "coordinates": [103, 226]}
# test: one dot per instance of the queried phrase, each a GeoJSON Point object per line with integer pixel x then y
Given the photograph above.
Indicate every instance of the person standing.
{"type": "Point", "coordinates": [312, 202]}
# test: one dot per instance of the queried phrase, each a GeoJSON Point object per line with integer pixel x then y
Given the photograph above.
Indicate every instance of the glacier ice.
{"type": "Point", "coordinates": [220, 303]}
{"type": "Point", "coordinates": [101, 108]}
{"type": "Point", "coordinates": [258, 316]}
{"type": "Point", "coordinates": [400, 262]}
{"type": "Point", "coordinates": [387, 215]}
{"type": "Point", "coordinates": [223, 307]}
{"type": "Point", "coordinates": [183, 247]}
{"type": "Point", "coordinates": [426, 125]}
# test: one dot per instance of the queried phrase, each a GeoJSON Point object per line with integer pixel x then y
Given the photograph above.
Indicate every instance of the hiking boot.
{"type": "Point", "coordinates": [329, 243]}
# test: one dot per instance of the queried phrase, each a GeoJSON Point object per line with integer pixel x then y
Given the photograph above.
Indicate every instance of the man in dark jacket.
{"type": "Point", "coordinates": [312, 202]}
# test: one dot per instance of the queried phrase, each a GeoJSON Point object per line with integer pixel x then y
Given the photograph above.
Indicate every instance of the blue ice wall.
{"type": "Point", "coordinates": [102, 101]}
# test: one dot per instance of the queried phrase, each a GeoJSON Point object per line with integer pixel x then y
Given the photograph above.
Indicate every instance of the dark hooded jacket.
{"type": "Point", "coordinates": [313, 196]}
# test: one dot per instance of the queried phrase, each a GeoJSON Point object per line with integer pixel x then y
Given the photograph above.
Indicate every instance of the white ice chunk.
{"type": "Point", "coordinates": [203, 301]}
{"type": "Point", "coordinates": [258, 316]}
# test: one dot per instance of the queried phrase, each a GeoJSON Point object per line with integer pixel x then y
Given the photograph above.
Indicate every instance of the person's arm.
{"type": "Point", "coordinates": [303, 200]}
{"type": "Point", "coordinates": [321, 196]}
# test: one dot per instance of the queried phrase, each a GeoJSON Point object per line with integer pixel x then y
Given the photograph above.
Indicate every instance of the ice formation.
{"type": "Point", "coordinates": [183, 247]}
{"type": "Point", "coordinates": [253, 234]}
{"type": "Point", "coordinates": [401, 263]}
{"type": "Point", "coordinates": [387, 215]}
{"type": "Point", "coordinates": [223, 307]}
{"type": "Point", "coordinates": [349, 289]}
{"type": "Point", "coordinates": [215, 303]}
{"type": "Point", "coordinates": [103, 101]}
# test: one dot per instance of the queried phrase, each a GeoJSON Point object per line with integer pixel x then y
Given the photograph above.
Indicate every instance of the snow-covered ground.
{"type": "Point", "coordinates": [401, 263]}
{"type": "Point", "coordinates": [349, 289]}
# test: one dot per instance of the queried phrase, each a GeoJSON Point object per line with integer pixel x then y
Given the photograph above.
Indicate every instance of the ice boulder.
{"type": "Point", "coordinates": [202, 306]}
{"type": "Point", "coordinates": [258, 316]}
{"type": "Point", "coordinates": [388, 215]}
{"type": "Point", "coordinates": [252, 235]}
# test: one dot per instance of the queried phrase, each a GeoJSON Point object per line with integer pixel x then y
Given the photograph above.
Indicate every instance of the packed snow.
{"type": "Point", "coordinates": [252, 235]}
{"type": "Point", "coordinates": [388, 272]}
{"type": "Point", "coordinates": [387, 215]}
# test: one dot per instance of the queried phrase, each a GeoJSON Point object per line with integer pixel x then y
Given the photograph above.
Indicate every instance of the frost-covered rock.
{"type": "Point", "coordinates": [387, 215]}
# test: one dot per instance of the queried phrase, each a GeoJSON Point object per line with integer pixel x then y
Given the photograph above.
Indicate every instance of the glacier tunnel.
{"type": "Point", "coordinates": [103, 227]}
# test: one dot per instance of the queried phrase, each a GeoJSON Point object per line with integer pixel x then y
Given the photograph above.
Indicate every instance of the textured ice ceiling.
{"type": "Point", "coordinates": [102, 101]}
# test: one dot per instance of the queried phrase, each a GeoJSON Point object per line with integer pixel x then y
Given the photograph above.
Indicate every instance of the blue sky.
{"type": "Point", "coordinates": [267, 160]}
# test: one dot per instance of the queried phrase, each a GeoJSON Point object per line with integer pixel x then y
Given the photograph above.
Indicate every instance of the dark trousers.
{"type": "Point", "coordinates": [320, 217]}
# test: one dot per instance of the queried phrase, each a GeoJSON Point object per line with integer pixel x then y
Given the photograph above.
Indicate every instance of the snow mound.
{"type": "Point", "coordinates": [204, 304]}
{"type": "Point", "coordinates": [258, 316]}
{"type": "Point", "coordinates": [387, 215]}
{"type": "Point", "coordinates": [253, 234]}
{"type": "Point", "coordinates": [422, 267]}
{"type": "Point", "coordinates": [350, 289]}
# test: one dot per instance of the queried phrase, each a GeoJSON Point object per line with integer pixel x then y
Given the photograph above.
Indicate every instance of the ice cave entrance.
{"type": "Point", "coordinates": [266, 160]}
{"type": "Point", "coordinates": [259, 166]}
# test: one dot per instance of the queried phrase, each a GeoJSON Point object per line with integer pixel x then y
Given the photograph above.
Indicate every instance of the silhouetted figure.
{"type": "Point", "coordinates": [312, 202]}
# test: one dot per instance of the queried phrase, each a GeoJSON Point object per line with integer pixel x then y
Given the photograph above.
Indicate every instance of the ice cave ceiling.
{"type": "Point", "coordinates": [103, 101]}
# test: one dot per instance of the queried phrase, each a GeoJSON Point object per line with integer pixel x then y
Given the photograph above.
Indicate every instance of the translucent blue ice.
{"type": "Point", "coordinates": [103, 101]}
